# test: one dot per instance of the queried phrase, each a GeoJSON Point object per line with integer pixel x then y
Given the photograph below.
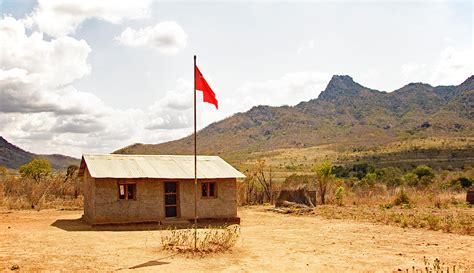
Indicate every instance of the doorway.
{"type": "Point", "coordinates": [171, 199]}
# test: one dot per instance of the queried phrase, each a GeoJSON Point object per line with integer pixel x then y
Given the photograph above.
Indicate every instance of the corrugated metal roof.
{"type": "Point", "coordinates": [156, 166]}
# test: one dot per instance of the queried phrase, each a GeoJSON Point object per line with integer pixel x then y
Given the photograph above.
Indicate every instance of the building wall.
{"type": "Point", "coordinates": [224, 206]}
{"type": "Point", "coordinates": [104, 206]}
{"type": "Point", "coordinates": [148, 205]}
{"type": "Point", "coordinates": [89, 192]}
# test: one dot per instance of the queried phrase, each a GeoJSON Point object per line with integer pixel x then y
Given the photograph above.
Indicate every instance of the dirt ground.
{"type": "Point", "coordinates": [270, 242]}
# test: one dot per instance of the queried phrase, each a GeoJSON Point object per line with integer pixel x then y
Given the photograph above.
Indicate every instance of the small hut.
{"type": "Point", "coordinates": [156, 188]}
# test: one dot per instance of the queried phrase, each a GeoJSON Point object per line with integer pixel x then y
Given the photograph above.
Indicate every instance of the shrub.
{"type": "Point", "coordinates": [391, 176]}
{"type": "Point", "coordinates": [411, 179]}
{"type": "Point", "coordinates": [463, 181]}
{"type": "Point", "coordinates": [433, 222]}
{"type": "Point", "coordinates": [361, 170]}
{"type": "Point", "coordinates": [402, 198]}
{"type": "Point", "coordinates": [423, 171]}
{"type": "Point", "coordinates": [51, 191]}
{"type": "Point", "coordinates": [210, 239]}
{"type": "Point", "coordinates": [340, 172]}
{"type": "Point", "coordinates": [368, 180]}
{"type": "Point", "coordinates": [3, 171]}
{"type": "Point", "coordinates": [339, 194]}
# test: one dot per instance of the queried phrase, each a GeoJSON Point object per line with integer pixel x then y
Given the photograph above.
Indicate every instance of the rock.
{"type": "Point", "coordinates": [425, 125]}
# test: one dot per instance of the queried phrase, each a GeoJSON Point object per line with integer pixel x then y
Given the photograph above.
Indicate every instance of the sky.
{"type": "Point", "coordinates": [85, 76]}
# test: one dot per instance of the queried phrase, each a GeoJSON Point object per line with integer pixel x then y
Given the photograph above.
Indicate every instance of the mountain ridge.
{"type": "Point", "coordinates": [12, 156]}
{"type": "Point", "coordinates": [345, 112]}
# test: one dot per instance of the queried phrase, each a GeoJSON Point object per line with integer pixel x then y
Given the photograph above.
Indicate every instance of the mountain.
{"type": "Point", "coordinates": [345, 113]}
{"type": "Point", "coordinates": [13, 157]}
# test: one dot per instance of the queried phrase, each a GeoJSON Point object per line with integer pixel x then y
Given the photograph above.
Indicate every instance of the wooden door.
{"type": "Point", "coordinates": [171, 199]}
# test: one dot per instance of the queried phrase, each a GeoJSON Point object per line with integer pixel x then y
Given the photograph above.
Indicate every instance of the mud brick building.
{"type": "Point", "coordinates": [157, 188]}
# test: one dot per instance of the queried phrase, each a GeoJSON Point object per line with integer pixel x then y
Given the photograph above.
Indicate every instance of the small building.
{"type": "Point", "coordinates": [157, 188]}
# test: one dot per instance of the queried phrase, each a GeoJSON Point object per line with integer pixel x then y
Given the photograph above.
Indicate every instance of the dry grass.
{"type": "Point", "coordinates": [425, 208]}
{"type": "Point", "coordinates": [54, 191]}
{"type": "Point", "coordinates": [436, 265]}
{"type": "Point", "coordinates": [297, 160]}
{"type": "Point", "coordinates": [209, 240]}
{"type": "Point", "coordinates": [451, 220]}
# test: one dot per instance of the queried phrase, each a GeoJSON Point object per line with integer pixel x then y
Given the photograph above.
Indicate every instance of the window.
{"type": "Point", "coordinates": [127, 191]}
{"type": "Point", "coordinates": [208, 189]}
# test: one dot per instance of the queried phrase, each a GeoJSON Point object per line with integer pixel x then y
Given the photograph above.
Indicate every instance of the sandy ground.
{"type": "Point", "coordinates": [57, 240]}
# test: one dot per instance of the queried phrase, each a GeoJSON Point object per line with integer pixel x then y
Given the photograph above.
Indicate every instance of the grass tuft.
{"type": "Point", "coordinates": [209, 239]}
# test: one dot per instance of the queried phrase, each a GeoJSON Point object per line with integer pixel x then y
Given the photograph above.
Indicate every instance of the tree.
{"type": "Point", "coordinates": [324, 177]}
{"type": "Point", "coordinates": [36, 169]}
{"type": "Point", "coordinates": [265, 181]}
{"type": "Point", "coordinates": [71, 172]}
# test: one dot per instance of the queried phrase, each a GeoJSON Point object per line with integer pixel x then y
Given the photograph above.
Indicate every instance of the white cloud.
{"type": "Point", "coordinates": [166, 37]}
{"type": "Point", "coordinates": [41, 109]}
{"type": "Point", "coordinates": [453, 67]}
{"type": "Point", "coordinates": [59, 18]}
{"type": "Point", "coordinates": [306, 46]}
{"type": "Point", "coordinates": [290, 89]}
{"type": "Point", "coordinates": [174, 110]}
{"type": "Point", "coordinates": [40, 104]}
{"type": "Point", "coordinates": [36, 75]}
{"type": "Point", "coordinates": [413, 71]}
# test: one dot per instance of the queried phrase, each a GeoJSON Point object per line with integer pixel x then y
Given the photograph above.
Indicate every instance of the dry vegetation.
{"type": "Point", "coordinates": [56, 240]}
{"type": "Point", "coordinates": [208, 240]}
{"type": "Point", "coordinates": [46, 190]}
{"type": "Point", "coordinates": [435, 200]}
{"type": "Point", "coordinates": [418, 201]}
{"type": "Point", "coordinates": [418, 198]}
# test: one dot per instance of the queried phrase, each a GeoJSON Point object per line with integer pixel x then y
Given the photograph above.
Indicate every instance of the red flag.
{"type": "Point", "coordinates": [201, 85]}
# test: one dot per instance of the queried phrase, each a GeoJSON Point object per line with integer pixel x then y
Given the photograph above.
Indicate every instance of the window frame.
{"type": "Point", "coordinates": [126, 184]}
{"type": "Point", "coordinates": [207, 183]}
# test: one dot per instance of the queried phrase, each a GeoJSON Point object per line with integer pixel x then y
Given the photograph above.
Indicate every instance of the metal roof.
{"type": "Point", "coordinates": [156, 166]}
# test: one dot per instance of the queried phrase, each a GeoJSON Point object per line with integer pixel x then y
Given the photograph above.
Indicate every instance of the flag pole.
{"type": "Point", "coordinates": [195, 160]}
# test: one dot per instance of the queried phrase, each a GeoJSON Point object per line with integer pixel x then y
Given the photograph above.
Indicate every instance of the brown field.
{"type": "Point", "coordinates": [57, 240]}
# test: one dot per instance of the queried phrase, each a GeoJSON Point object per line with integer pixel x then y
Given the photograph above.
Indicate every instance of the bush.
{"type": "Point", "coordinates": [361, 170]}
{"type": "Point", "coordinates": [423, 171]}
{"type": "Point", "coordinates": [210, 239]}
{"type": "Point", "coordinates": [465, 182]}
{"type": "Point", "coordinates": [411, 179]}
{"type": "Point", "coordinates": [391, 176]}
{"type": "Point", "coordinates": [402, 199]}
{"type": "Point", "coordinates": [339, 194]}
{"type": "Point", "coordinates": [51, 191]}
{"type": "Point", "coordinates": [3, 171]}
{"type": "Point", "coordinates": [368, 180]}
{"type": "Point", "coordinates": [340, 172]}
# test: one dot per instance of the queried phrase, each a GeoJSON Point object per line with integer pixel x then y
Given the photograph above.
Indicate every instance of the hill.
{"type": "Point", "coordinates": [13, 157]}
{"type": "Point", "coordinates": [345, 113]}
